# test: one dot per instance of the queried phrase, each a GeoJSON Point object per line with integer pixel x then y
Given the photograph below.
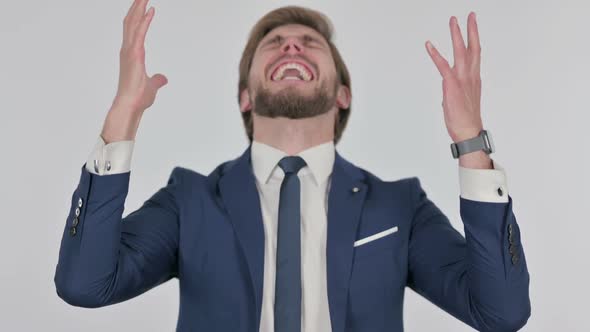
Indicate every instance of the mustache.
{"type": "Point", "coordinates": [288, 57]}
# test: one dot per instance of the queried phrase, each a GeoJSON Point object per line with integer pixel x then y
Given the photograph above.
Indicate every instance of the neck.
{"type": "Point", "coordinates": [294, 135]}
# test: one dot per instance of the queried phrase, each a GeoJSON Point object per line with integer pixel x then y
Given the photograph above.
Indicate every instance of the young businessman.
{"type": "Point", "coordinates": [290, 236]}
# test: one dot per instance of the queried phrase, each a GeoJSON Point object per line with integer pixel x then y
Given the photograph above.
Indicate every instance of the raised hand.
{"type": "Point", "coordinates": [136, 90]}
{"type": "Point", "coordinates": [462, 82]}
{"type": "Point", "coordinates": [135, 87]}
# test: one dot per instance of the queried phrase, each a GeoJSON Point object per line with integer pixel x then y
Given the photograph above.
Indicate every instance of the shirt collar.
{"type": "Point", "coordinates": [319, 160]}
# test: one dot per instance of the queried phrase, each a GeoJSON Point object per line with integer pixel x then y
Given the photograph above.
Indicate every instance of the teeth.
{"type": "Point", "coordinates": [290, 65]}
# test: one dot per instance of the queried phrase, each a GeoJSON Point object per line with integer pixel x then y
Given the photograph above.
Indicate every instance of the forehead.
{"type": "Point", "coordinates": [293, 29]}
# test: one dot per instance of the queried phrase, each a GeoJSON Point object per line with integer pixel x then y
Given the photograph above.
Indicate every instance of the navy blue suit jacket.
{"type": "Point", "coordinates": [207, 231]}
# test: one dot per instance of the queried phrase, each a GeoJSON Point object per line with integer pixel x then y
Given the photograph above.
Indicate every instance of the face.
{"type": "Point", "coordinates": [293, 75]}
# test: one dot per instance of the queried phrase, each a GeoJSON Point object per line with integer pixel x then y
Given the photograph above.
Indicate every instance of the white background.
{"type": "Point", "coordinates": [58, 76]}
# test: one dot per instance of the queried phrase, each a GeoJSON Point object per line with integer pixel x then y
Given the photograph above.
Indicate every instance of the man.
{"type": "Point", "coordinates": [290, 236]}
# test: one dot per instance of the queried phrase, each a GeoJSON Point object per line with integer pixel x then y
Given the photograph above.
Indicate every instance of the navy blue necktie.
{"type": "Point", "coordinates": [287, 310]}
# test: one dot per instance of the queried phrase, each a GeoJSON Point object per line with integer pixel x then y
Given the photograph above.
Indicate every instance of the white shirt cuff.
{"type": "Point", "coordinates": [485, 185]}
{"type": "Point", "coordinates": [112, 158]}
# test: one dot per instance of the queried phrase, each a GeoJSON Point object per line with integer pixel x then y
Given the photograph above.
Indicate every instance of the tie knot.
{"type": "Point", "coordinates": [291, 164]}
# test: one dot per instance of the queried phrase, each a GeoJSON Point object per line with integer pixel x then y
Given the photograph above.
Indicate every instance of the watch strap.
{"type": "Point", "coordinates": [469, 145]}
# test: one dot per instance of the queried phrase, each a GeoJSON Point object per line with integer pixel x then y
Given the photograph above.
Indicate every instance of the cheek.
{"type": "Point", "coordinates": [332, 68]}
{"type": "Point", "coordinates": [258, 66]}
{"type": "Point", "coordinates": [256, 75]}
{"type": "Point", "coordinates": [327, 68]}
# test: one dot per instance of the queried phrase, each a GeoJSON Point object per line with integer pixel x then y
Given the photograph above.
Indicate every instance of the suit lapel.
{"type": "Point", "coordinates": [344, 207]}
{"type": "Point", "coordinates": [240, 196]}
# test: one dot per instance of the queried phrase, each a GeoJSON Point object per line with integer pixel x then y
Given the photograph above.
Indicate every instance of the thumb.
{"type": "Point", "coordinates": [157, 81]}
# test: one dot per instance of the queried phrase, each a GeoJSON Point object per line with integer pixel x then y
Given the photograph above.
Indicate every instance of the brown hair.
{"type": "Point", "coordinates": [292, 15]}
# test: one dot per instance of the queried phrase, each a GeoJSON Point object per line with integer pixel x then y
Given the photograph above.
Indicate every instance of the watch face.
{"type": "Point", "coordinates": [489, 143]}
{"type": "Point", "coordinates": [454, 150]}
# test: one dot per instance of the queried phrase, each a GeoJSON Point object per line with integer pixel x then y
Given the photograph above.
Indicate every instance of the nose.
{"type": "Point", "coordinates": [292, 45]}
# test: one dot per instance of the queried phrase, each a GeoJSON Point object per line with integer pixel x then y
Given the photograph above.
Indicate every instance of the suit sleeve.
{"type": "Point", "coordinates": [106, 259]}
{"type": "Point", "coordinates": [482, 278]}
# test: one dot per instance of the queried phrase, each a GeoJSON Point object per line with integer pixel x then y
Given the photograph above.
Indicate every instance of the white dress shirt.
{"type": "Point", "coordinates": [315, 177]}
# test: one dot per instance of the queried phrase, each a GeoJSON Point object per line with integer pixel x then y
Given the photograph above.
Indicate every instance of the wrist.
{"type": "Point", "coordinates": [478, 160]}
{"type": "Point", "coordinates": [120, 125]}
{"type": "Point", "coordinates": [465, 135]}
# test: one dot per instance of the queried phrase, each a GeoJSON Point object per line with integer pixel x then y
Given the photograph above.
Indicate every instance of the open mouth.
{"type": "Point", "coordinates": [292, 71]}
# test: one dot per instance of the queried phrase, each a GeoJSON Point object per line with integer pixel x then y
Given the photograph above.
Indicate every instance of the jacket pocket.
{"type": "Point", "coordinates": [375, 242]}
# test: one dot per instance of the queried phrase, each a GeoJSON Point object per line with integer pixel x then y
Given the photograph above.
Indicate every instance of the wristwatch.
{"type": "Point", "coordinates": [481, 142]}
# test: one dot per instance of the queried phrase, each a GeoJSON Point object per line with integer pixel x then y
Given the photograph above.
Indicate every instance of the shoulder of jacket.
{"type": "Point", "coordinates": [183, 174]}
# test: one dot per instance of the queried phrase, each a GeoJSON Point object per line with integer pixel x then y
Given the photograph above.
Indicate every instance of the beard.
{"type": "Point", "coordinates": [291, 104]}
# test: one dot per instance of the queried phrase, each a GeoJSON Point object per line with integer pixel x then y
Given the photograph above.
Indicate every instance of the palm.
{"type": "Point", "coordinates": [462, 82]}
{"type": "Point", "coordinates": [136, 88]}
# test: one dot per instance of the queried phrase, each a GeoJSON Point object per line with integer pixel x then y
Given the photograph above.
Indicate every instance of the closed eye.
{"type": "Point", "coordinates": [307, 39]}
{"type": "Point", "coordinates": [274, 40]}
{"type": "Point", "coordinates": [277, 39]}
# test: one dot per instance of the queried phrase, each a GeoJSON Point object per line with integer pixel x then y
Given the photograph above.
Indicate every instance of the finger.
{"type": "Point", "coordinates": [459, 49]}
{"type": "Point", "coordinates": [126, 21]}
{"type": "Point", "coordinates": [131, 19]}
{"type": "Point", "coordinates": [133, 6]}
{"type": "Point", "coordinates": [139, 38]}
{"type": "Point", "coordinates": [157, 81]}
{"type": "Point", "coordinates": [473, 37]}
{"type": "Point", "coordinates": [138, 13]}
{"type": "Point", "coordinates": [439, 61]}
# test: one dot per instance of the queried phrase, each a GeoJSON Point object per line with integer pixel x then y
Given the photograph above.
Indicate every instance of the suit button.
{"type": "Point", "coordinates": [500, 192]}
{"type": "Point", "coordinates": [510, 228]}
{"type": "Point", "coordinates": [72, 231]}
{"type": "Point", "coordinates": [80, 202]}
{"type": "Point", "coordinates": [75, 222]}
{"type": "Point", "coordinates": [514, 259]}
{"type": "Point", "coordinates": [77, 212]}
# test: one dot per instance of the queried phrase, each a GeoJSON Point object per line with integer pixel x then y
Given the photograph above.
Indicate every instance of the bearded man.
{"type": "Point", "coordinates": [290, 236]}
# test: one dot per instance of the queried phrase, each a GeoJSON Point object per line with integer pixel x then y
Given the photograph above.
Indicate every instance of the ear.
{"type": "Point", "coordinates": [245, 104]}
{"type": "Point", "coordinates": [344, 96]}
